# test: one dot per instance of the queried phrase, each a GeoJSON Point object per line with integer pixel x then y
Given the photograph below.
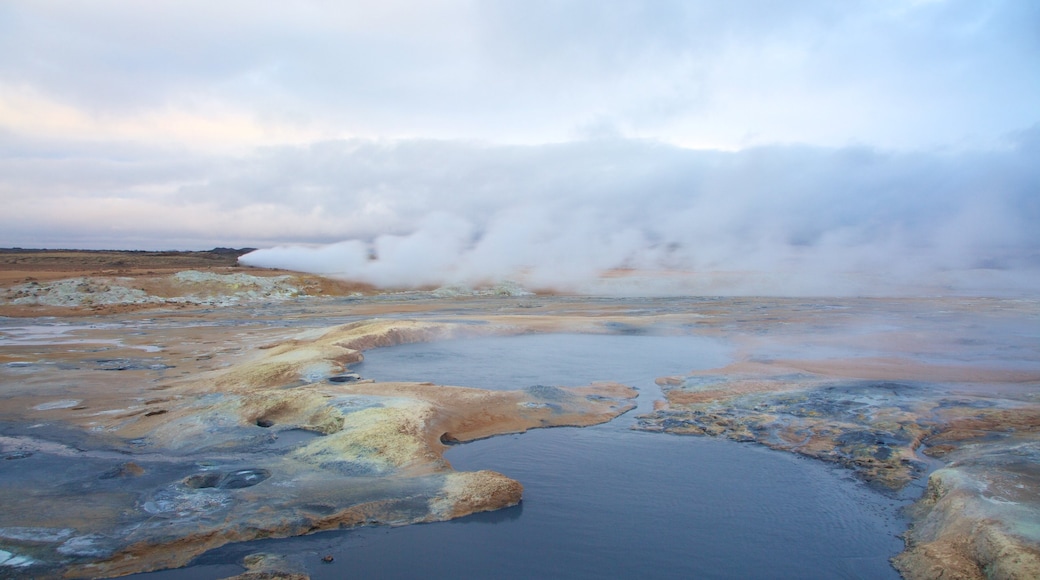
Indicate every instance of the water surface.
{"type": "Point", "coordinates": [606, 501]}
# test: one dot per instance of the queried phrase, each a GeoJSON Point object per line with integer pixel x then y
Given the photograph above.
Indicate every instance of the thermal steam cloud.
{"type": "Point", "coordinates": [793, 219]}
{"type": "Point", "coordinates": [518, 243]}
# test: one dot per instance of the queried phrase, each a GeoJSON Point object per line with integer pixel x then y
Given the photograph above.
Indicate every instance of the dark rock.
{"type": "Point", "coordinates": [202, 480]}
{"type": "Point", "coordinates": [345, 378]}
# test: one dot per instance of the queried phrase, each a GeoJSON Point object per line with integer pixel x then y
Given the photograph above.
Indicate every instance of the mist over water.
{"type": "Point", "coordinates": [780, 219]}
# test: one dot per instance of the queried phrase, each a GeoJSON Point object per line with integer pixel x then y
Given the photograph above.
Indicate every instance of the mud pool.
{"type": "Point", "coordinates": [606, 501]}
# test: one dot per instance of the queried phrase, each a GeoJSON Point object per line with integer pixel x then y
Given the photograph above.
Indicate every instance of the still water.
{"type": "Point", "coordinates": [606, 501]}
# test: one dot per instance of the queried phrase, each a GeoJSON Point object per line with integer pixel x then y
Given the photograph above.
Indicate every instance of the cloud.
{"type": "Point", "coordinates": [893, 74]}
{"type": "Point", "coordinates": [438, 212]}
{"type": "Point", "coordinates": [799, 140]}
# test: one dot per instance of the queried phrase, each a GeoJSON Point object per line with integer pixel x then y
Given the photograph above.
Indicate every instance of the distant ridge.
{"type": "Point", "coordinates": [219, 251]}
{"type": "Point", "coordinates": [72, 260]}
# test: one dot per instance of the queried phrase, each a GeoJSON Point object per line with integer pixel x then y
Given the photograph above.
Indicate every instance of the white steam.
{"type": "Point", "coordinates": [771, 220]}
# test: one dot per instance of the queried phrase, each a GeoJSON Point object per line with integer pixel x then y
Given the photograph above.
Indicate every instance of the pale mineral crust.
{"type": "Point", "coordinates": [270, 567]}
{"type": "Point", "coordinates": [269, 445]}
{"type": "Point", "coordinates": [139, 442]}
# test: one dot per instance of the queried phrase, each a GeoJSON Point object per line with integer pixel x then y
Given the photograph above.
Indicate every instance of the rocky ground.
{"type": "Point", "coordinates": [172, 409]}
{"type": "Point", "coordinates": [84, 283]}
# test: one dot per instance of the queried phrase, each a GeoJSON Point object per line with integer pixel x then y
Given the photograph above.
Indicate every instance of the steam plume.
{"type": "Point", "coordinates": [780, 219]}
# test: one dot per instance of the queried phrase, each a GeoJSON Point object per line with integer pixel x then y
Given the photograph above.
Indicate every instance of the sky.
{"type": "Point", "coordinates": [437, 142]}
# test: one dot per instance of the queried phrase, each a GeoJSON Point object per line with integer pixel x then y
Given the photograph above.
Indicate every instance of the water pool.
{"type": "Point", "coordinates": [606, 501]}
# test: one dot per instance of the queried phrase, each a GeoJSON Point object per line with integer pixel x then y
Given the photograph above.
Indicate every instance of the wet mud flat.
{"type": "Point", "coordinates": [135, 442]}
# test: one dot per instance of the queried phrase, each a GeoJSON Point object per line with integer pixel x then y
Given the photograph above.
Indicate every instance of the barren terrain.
{"type": "Point", "coordinates": [159, 405]}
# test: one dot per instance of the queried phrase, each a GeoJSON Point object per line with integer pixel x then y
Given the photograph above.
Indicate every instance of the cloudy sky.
{"type": "Point", "coordinates": [460, 140]}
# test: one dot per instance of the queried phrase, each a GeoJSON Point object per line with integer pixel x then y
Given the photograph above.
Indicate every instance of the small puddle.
{"type": "Point", "coordinates": [291, 439]}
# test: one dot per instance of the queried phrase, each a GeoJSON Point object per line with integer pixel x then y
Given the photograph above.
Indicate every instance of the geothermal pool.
{"type": "Point", "coordinates": [606, 501]}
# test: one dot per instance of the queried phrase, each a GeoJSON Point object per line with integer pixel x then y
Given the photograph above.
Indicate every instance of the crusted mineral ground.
{"type": "Point", "coordinates": [890, 400]}
{"type": "Point", "coordinates": [979, 517]}
{"type": "Point", "coordinates": [108, 293]}
{"type": "Point", "coordinates": [145, 471]}
{"type": "Point", "coordinates": [135, 436]}
{"type": "Point", "coordinates": [270, 567]}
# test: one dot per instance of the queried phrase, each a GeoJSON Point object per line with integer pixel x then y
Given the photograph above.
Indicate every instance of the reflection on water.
{"type": "Point", "coordinates": [606, 501]}
{"type": "Point", "coordinates": [517, 362]}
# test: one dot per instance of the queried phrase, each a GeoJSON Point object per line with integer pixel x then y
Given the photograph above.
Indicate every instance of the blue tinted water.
{"type": "Point", "coordinates": [606, 501]}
